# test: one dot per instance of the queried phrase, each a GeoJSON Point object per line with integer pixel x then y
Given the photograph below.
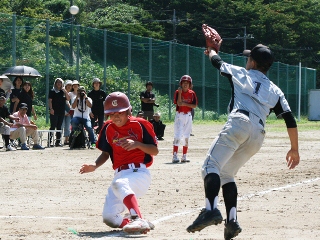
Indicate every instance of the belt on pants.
{"type": "Point", "coordinates": [184, 112]}
{"type": "Point", "coordinates": [248, 115]}
{"type": "Point", "coordinates": [129, 166]}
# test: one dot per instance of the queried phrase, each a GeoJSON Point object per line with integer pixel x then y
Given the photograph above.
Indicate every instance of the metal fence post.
{"type": "Point", "coordinates": [170, 78]}
{"type": "Point", "coordinates": [150, 59]}
{"type": "Point", "coordinates": [14, 39]}
{"type": "Point", "coordinates": [78, 53]}
{"type": "Point", "coordinates": [105, 60]}
{"type": "Point", "coordinates": [129, 63]}
{"type": "Point", "coordinates": [47, 69]}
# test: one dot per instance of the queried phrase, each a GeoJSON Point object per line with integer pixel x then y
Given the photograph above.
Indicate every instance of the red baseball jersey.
{"type": "Point", "coordinates": [137, 129]}
{"type": "Point", "coordinates": [187, 97]}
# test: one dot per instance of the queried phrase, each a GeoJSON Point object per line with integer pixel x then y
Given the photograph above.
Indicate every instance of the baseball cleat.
{"type": "Point", "coordinates": [231, 229]}
{"type": "Point", "coordinates": [205, 219]}
{"type": "Point", "coordinates": [184, 159]}
{"type": "Point", "coordinates": [175, 159]}
{"type": "Point", "coordinates": [136, 226]}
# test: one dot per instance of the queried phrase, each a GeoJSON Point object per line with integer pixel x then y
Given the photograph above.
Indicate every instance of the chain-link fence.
{"type": "Point", "coordinates": [65, 48]}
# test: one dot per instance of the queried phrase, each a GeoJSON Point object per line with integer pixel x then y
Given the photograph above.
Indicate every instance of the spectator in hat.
{"type": "Point", "coordinates": [1, 82]}
{"type": "Point", "coordinates": [98, 97]}
{"type": "Point", "coordinates": [17, 84]}
{"type": "Point", "coordinates": [82, 108]}
{"type": "Point", "coordinates": [140, 114]}
{"type": "Point", "coordinates": [148, 101]}
{"type": "Point", "coordinates": [73, 94]}
{"type": "Point", "coordinates": [22, 128]}
{"type": "Point", "coordinates": [158, 126]}
{"type": "Point", "coordinates": [5, 125]}
{"type": "Point", "coordinates": [58, 96]}
{"type": "Point", "coordinates": [26, 96]}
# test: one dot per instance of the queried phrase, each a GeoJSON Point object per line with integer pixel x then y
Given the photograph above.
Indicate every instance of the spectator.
{"type": "Point", "coordinates": [98, 97]}
{"type": "Point", "coordinates": [158, 126]}
{"type": "Point", "coordinates": [17, 84]}
{"type": "Point", "coordinates": [148, 101]}
{"type": "Point", "coordinates": [140, 114]}
{"type": "Point", "coordinates": [57, 101]}
{"type": "Point", "coordinates": [67, 117]}
{"type": "Point", "coordinates": [82, 107]}
{"type": "Point", "coordinates": [1, 82]}
{"type": "Point", "coordinates": [26, 96]}
{"type": "Point", "coordinates": [4, 125]}
{"type": "Point", "coordinates": [73, 94]}
{"type": "Point", "coordinates": [22, 128]}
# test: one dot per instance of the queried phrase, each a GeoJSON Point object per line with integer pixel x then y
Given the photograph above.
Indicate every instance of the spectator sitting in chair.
{"type": "Point", "coordinates": [5, 125]}
{"type": "Point", "coordinates": [158, 126]}
{"type": "Point", "coordinates": [22, 128]}
{"type": "Point", "coordinates": [82, 108]}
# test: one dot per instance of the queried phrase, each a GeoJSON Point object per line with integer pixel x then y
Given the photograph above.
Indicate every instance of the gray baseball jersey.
{"type": "Point", "coordinates": [254, 92]}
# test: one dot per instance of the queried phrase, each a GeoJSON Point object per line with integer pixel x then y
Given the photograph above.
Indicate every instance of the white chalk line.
{"type": "Point", "coordinates": [245, 197]}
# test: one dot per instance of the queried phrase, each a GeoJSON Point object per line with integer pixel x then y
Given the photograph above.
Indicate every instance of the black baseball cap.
{"type": "Point", "coordinates": [2, 95]}
{"type": "Point", "coordinates": [261, 54]}
{"type": "Point", "coordinates": [23, 105]}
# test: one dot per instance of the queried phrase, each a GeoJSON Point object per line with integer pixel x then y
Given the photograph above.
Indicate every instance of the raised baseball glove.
{"type": "Point", "coordinates": [212, 37]}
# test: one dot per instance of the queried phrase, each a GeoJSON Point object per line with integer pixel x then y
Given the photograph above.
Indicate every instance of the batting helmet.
{"type": "Point", "coordinates": [185, 78]}
{"type": "Point", "coordinates": [116, 102]}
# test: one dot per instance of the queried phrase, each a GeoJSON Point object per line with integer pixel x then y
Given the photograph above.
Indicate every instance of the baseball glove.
{"type": "Point", "coordinates": [212, 37]}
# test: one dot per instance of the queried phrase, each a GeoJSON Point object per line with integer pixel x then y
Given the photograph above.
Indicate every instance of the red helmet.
{"type": "Point", "coordinates": [116, 102]}
{"type": "Point", "coordinates": [186, 78]}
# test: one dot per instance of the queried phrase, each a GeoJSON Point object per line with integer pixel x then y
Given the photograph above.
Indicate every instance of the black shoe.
{"type": "Point", "coordinates": [160, 139]}
{"type": "Point", "coordinates": [231, 229]}
{"type": "Point", "coordinates": [58, 144]}
{"type": "Point", "coordinates": [205, 219]}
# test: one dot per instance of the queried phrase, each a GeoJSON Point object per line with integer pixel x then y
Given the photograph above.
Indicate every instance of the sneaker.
{"type": "Point", "coordinates": [37, 147]}
{"type": "Point", "coordinates": [175, 159]}
{"type": "Point", "coordinates": [151, 225]}
{"type": "Point", "coordinates": [58, 144]}
{"type": "Point", "coordinates": [24, 146]}
{"type": "Point", "coordinates": [205, 219]}
{"type": "Point", "coordinates": [137, 225]}
{"type": "Point", "coordinates": [93, 146]}
{"type": "Point", "coordinates": [184, 159]}
{"type": "Point", "coordinates": [10, 148]}
{"type": "Point", "coordinates": [231, 229]}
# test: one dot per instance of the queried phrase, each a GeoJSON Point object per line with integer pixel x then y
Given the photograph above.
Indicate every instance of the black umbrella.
{"type": "Point", "coordinates": [22, 71]}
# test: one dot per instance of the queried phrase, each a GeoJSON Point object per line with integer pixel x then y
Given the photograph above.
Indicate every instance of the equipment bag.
{"type": "Point", "coordinates": [77, 139]}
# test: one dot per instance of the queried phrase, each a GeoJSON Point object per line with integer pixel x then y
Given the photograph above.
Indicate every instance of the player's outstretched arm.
{"type": "Point", "coordinates": [293, 157]}
{"type": "Point", "coordinates": [86, 168]}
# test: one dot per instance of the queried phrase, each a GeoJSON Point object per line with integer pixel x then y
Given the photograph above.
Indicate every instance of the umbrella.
{"type": "Point", "coordinates": [6, 85]}
{"type": "Point", "coordinates": [22, 71]}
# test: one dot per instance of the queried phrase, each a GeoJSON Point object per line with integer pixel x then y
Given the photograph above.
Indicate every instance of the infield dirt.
{"type": "Point", "coordinates": [44, 197]}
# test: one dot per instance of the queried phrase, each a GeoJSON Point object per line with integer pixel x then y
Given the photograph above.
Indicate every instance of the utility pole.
{"type": "Point", "coordinates": [244, 38]}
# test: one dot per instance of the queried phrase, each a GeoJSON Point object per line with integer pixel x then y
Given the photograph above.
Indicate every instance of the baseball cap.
{"type": "Point", "coordinates": [156, 114]}
{"type": "Point", "coordinates": [96, 80]}
{"type": "Point", "coordinates": [23, 105]}
{"type": "Point", "coordinates": [261, 54]}
{"type": "Point", "coordinates": [82, 88]}
{"type": "Point", "coordinates": [2, 96]}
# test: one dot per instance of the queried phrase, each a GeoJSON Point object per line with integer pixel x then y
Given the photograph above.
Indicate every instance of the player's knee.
{"type": "Point", "coordinates": [176, 141]}
{"type": "Point", "coordinates": [186, 142]}
{"type": "Point", "coordinates": [109, 220]}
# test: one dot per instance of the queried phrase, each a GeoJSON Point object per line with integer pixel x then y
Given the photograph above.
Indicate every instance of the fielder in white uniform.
{"type": "Point", "coordinates": [254, 96]}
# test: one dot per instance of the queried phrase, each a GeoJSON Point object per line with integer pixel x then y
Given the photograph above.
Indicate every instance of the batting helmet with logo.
{"type": "Point", "coordinates": [185, 78]}
{"type": "Point", "coordinates": [116, 102]}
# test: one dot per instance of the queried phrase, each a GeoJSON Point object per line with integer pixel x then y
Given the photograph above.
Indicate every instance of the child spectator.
{"type": "Point", "coordinates": [158, 126]}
